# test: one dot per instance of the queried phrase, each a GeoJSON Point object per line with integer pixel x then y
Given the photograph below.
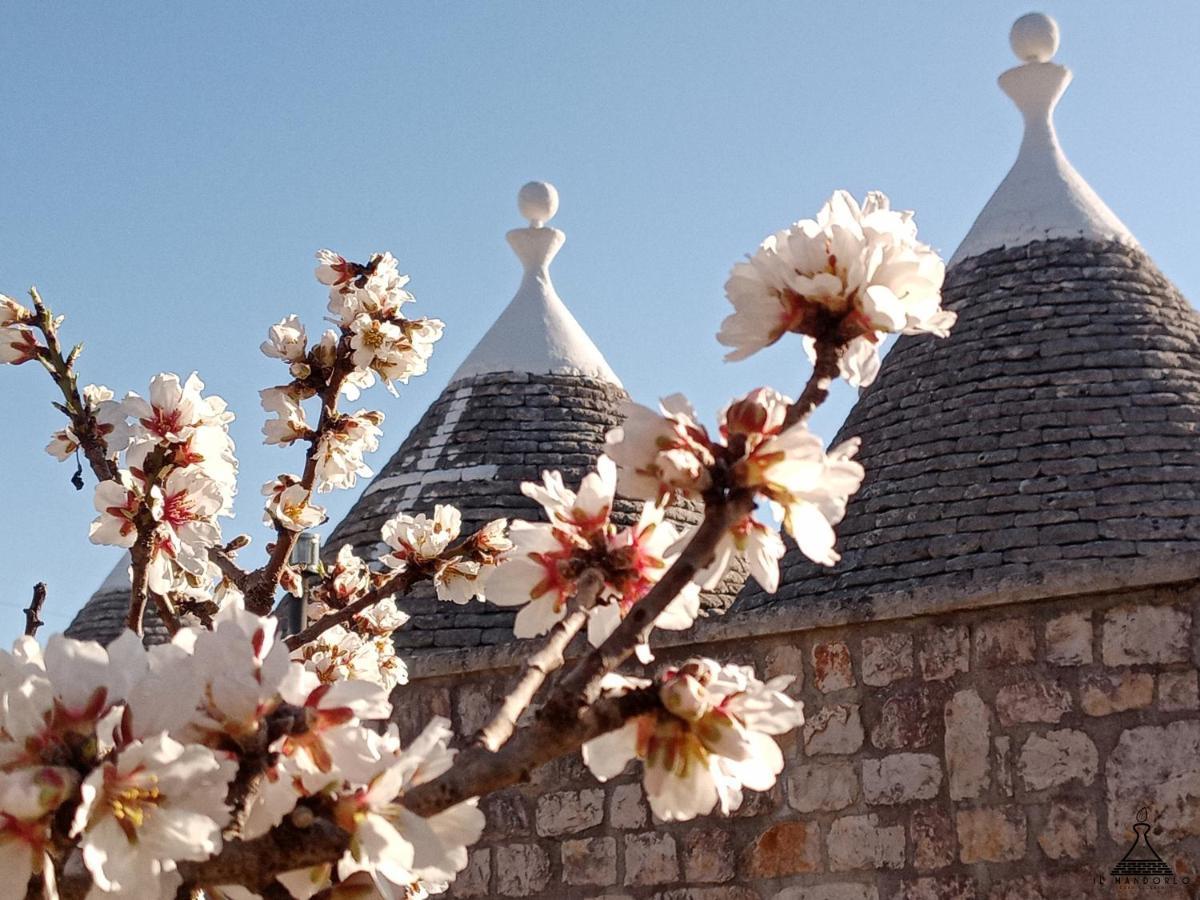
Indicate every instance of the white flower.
{"type": "Point", "coordinates": [190, 505]}
{"type": "Point", "coordinates": [420, 538]}
{"type": "Point", "coordinates": [851, 275]}
{"type": "Point", "coordinates": [751, 540]}
{"type": "Point", "coordinates": [28, 798]}
{"type": "Point", "coordinates": [395, 846]}
{"type": "Point", "coordinates": [63, 444]}
{"type": "Point", "coordinates": [119, 501]}
{"type": "Point", "coordinates": [18, 345]}
{"type": "Point", "coordinates": [711, 740]}
{"type": "Point", "coordinates": [340, 451]}
{"type": "Point", "coordinates": [288, 505]}
{"type": "Point", "coordinates": [333, 746]}
{"type": "Point", "coordinates": [12, 312]}
{"type": "Point", "coordinates": [345, 580]}
{"type": "Point", "coordinates": [536, 574]}
{"type": "Point", "coordinates": [287, 341]}
{"type": "Point", "coordinates": [242, 669]}
{"type": "Point", "coordinates": [175, 409]}
{"type": "Point", "coordinates": [807, 488]}
{"type": "Point", "coordinates": [289, 424]}
{"type": "Point", "coordinates": [341, 655]}
{"type": "Point", "coordinates": [376, 287]}
{"type": "Point", "coordinates": [660, 454]}
{"type": "Point", "coordinates": [157, 803]}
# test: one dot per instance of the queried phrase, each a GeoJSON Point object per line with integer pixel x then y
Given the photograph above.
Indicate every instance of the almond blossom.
{"type": "Point", "coordinates": [420, 538]}
{"type": "Point", "coordinates": [394, 846]}
{"type": "Point", "coordinates": [175, 409]}
{"type": "Point", "coordinates": [376, 287]}
{"type": "Point", "coordinates": [287, 341]}
{"type": "Point", "coordinates": [712, 738]}
{"type": "Point", "coordinates": [851, 275]}
{"type": "Point", "coordinates": [289, 424]}
{"type": "Point", "coordinates": [119, 502]}
{"type": "Point", "coordinates": [340, 450]}
{"type": "Point", "coordinates": [28, 799]}
{"type": "Point", "coordinates": [18, 345]}
{"type": "Point", "coordinates": [288, 505]}
{"type": "Point", "coordinates": [541, 571]}
{"type": "Point", "coordinates": [13, 312]}
{"type": "Point", "coordinates": [156, 803]}
{"type": "Point", "coordinates": [805, 487]}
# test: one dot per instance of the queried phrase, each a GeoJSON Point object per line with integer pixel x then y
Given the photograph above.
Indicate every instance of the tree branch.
{"type": "Point", "coordinates": [816, 391]}
{"type": "Point", "coordinates": [260, 584]}
{"type": "Point", "coordinates": [539, 666]}
{"type": "Point", "coordinates": [33, 612]}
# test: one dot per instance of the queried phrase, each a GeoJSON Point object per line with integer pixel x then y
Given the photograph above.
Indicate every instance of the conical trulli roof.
{"type": "Point", "coordinates": [534, 394]}
{"type": "Point", "coordinates": [1056, 427]}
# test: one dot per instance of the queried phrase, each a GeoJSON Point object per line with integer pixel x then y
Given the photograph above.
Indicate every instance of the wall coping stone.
{"type": "Point", "coordinates": [1054, 583]}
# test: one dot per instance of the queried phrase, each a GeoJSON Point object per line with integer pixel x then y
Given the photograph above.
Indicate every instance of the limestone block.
{"type": "Point", "coordinates": [832, 669]}
{"type": "Point", "coordinates": [724, 892]}
{"type": "Point", "coordinates": [707, 855]}
{"type": "Point", "coordinates": [945, 652]}
{"type": "Point", "coordinates": [627, 806]}
{"type": "Point", "coordinates": [521, 869]}
{"type": "Point", "coordinates": [1104, 694]}
{"type": "Point", "coordinates": [650, 858]}
{"type": "Point", "coordinates": [887, 659]}
{"type": "Point", "coordinates": [786, 848]}
{"type": "Point", "coordinates": [933, 840]}
{"type": "Point", "coordinates": [1069, 832]}
{"type": "Point", "coordinates": [834, 729]}
{"type": "Point", "coordinates": [1158, 768]}
{"type": "Point", "coordinates": [785, 660]}
{"type": "Point", "coordinates": [590, 861]}
{"type": "Point", "coordinates": [1145, 634]}
{"type": "Point", "coordinates": [1056, 757]}
{"type": "Point", "coordinates": [908, 719]}
{"type": "Point", "coordinates": [901, 778]}
{"type": "Point", "coordinates": [1006, 643]}
{"type": "Point", "coordinates": [1069, 640]}
{"type": "Point", "coordinates": [825, 787]}
{"type": "Point", "coordinates": [568, 812]}
{"type": "Point", "coordinates": [1177, 691]}
{"type": "Point", "coordinates": [968, 726]}
{"type": "Point", "coordinates": [474, 706]}
{"type": "Point", "coordinates": [1032, 701]}
{"type": "Point", "coordinates": [860, 842]}
{"type": "Point", "coordinates": [990, 835]}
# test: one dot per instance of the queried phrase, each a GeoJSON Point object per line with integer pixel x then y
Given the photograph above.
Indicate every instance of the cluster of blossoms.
{"type": "Point", "coordinates": [426, 545]}
{"type": "Point", "coordinates": [177, 474]}
{"type": "Point", "coordinates": [17, 342]}
{"type": "Point", "coordinates": [849, 276]}
{"type": "Point", "coordinates": [372, 340]}
{"type": "Point", "coordinates": [543, 569]}
{"type": "Point", "coordinates": [667, 453]}
{"type": "Point", "coordinates": [711, 738]}
{"type": "Point", "coordinates": [122, 760]}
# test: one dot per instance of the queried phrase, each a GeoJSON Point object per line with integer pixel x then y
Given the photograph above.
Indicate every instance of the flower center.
{"type": "Point", "coordinates": [129, 804]}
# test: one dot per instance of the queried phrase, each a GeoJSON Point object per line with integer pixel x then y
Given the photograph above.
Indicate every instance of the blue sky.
{"type": "Point", "coordinates": [166, 173]}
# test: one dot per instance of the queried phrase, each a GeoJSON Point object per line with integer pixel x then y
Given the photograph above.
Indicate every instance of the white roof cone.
{"type": "Point", "coordinates": [1042, 197]}
{"type": "Point", "coordinates": [536, 333]}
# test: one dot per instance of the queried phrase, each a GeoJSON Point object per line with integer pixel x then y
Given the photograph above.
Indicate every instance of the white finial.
{"type": "Point", "coordinates": [538, 202]}
{"type": "Point", "coordinates": [1034, 37]}
{"type": "Point", "coordinates": [1043, 197]}
{"type": "Point", "coordinates": [536, 333]}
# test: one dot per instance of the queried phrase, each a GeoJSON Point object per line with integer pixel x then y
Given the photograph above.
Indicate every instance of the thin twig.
{"type": "Point", "coordinates": [539, 666]}
{"type": "Point", "coordinates": [401, 583]}
{"type": "Point", "coordinates": [33, 612]}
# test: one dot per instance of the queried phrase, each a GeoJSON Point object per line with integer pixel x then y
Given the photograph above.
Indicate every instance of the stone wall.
{"type": "Point", "coordinates": [998, 752]}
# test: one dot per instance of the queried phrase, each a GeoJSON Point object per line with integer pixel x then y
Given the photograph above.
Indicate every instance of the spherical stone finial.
{"type": "Point", "coordinates": [538, 202]}
{"type": "Point", "coordinates": [1034, 38]}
